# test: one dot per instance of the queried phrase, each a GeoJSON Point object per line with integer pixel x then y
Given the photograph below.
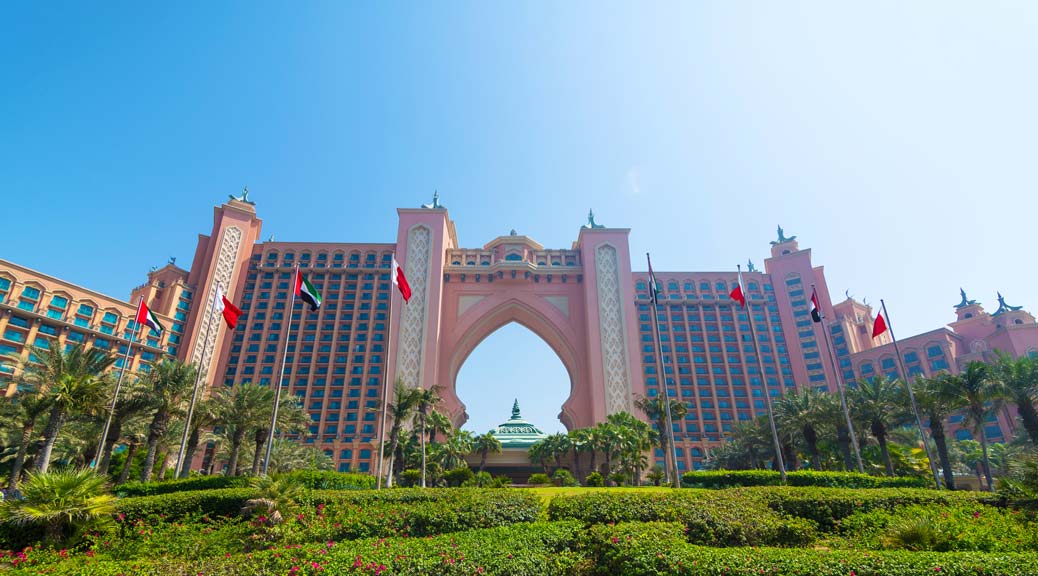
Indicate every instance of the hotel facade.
{"type": "Point", "coordinates": [585, 301]}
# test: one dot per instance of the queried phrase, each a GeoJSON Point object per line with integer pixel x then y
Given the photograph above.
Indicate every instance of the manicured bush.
{"type": "Point", "coordinates": [541, 549]}
{"type": "Point", "coordinates": [653, 549]}
{"type": "Point", "coordinates": [539, 479]}
{"type": "Point", "coordinates": [177, 505]}
{"type": "Point", "coordinates": [131, 489]}
{"type": "Point", "coordinates": [594, 480]}
{"type": "Point", "coordinates": [976, 528]}
{"type": "Point", "coordinates": [563, 477]}
{"type": "Point", "coordinates": [409, 478]}
{"type": "Point", "coordinates": [480, 480]}
{"type": "Point", "coordinates": [458, 476]}
{"type": "Point", "coordinates": [736, 478]}
{"type": "Point", "coordinates": [710, 517]}
{"type": "Point", "coordinates": [329, 480]}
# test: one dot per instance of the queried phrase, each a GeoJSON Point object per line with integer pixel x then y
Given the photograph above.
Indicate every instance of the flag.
{"type": "Point", "coordinates": [400, 280]}
{"type": "Point", "coordinates": [654, 286]}
{"type": "Point", "coordinates": [306, 291]}
{"type": "Point", "coordinates": [737, 294]}
{"type": "Point", "coordinates": [148, 318]}
{"type": "Point", "coordinates": [880, 326]}
{"type": "Point", "coordinates": [816, 309]}
{"type": "Point", "coordinates": [227, 308]}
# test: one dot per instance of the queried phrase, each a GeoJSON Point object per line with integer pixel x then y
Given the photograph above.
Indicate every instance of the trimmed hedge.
{"type": "Point", "coordinates": [736, 478]}
{"type": "Point", "coordinates": [328, 480]}
{"type": "Point", "coordinates": [710, 518]}
{"type": "Point", "coordinates": [653, 549]}
{"type": "Point", "coordinates": [132, 489]}
{"type": "Point", "coordinates": [541, 549]}
{"type": "Point", "coordinates": [177, 505]}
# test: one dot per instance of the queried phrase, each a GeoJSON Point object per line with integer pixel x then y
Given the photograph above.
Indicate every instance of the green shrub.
{"type": "Point", "coordinates": [176, 505]}
{"type": "Point", "coordinates": [563, 477]}
{"type": "Point", "coordinates": [409, 478]}
{"type": "Point", "coordinates": [942, 528]}
{"type": "Point", "coordinates": [480, 480]}
{"type": "Point", "coordinates": [502, 481]}
{"type": "Point", "coordinates": [131, 489]}
{"type": "Point", "coordinates": [541, 549]}
{"type": "Point", "coordinates": [594, 480]}
{"type": "Point", "coordinates": [618, 478]}
{"type": "Point", "coordinates": [457, 476]}
{"type": "Point", "coordinates": [330, 480]}
{"type": "Point", "coordinates": [653, 549]}
{"type": "Point", "coordinates": [539, 479]}
{"type": "Point", "coordinates": [737, 478]}
{"type": "Point", "coordinates": [710, 517]}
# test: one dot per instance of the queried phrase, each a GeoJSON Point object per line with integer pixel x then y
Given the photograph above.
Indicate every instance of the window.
{"type": "Point", "coordinates": [85, 310]}
{"type": "Point", "coordinates": [58, 302]}
{"type": "Point", "coordinates": [31, 293]}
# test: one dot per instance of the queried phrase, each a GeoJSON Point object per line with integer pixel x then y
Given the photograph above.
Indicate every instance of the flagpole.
{"type": "Point", "coordinates": [669, 433]}
{"type": "Point", "coordinates": [118, 385]}
{"type": "Point", "coordinates": [764, 384]}
{"type": "Point", "coordinates": [839, 384]}
{"type": "Point", "coordinates": [194, 393]}
{"type": "Point", "coordinates": [911, 396]}
{"type": "Point", "coordinates": [385, 377]}
{"type": "Point", "coordinates": [281, 373]}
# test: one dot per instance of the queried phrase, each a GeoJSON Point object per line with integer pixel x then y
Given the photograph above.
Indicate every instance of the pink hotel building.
{"type": "Point", "coordinates": [585, 301]}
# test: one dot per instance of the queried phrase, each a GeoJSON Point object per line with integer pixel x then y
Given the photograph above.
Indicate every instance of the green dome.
{"type": "Point", "coordinates": [516, 432]}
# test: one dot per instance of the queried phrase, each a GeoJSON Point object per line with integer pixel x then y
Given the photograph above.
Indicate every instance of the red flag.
{"type": "Point", "coordinates": [737, 294]}
{"type": "Point", "coordinates": [227, 308]}
{"type": "Point", "coordinates": [400, 280]}
{"type": "Point", "coordinates": [816, 309]}
{"type": "Point", "coordinates": [880, 326]}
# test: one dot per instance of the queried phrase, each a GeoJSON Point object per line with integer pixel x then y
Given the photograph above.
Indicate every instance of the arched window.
{"type": "Point", "coordinates": [514, 257]}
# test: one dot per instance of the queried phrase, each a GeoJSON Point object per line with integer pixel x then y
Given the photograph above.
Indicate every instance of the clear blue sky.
{"type": "Point", "coordinates": [897, 140]}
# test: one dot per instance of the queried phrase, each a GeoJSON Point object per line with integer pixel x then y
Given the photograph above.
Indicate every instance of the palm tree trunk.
{"type": "Point", "coordinates": [1029, 417]}
{"type": "Point", "coordinates": [232, 462]}
{"type": "Point", "coordinates": [164, 466]}
{"type": "Point", "coordinates": [576, 465]}
{"type": "Point", "coordinates": [594, 461]}
{"type": "Point", "coordinates": [257, 456]}
{"type": "Point", "coordinates": [113, 438]}
{"type": "Point", "coordinates": [189, 453]}
{"type": "Point", "coordinates": [882, 439]}
{"type": "Point", "coordinates": [394, 439]}
{"type": "Point", "coordinates": [937, 431]}
{"type": "Point", "coordinates": [843, 439]}
{"type": "Point", "coordinates": [50, 436]}
{"type": "Point", "coordinates": [811, 439]}
{"type": "Point", "coordinates": [483, 458]}
{"type": "Point", "coordinates": [19, 460]}
{"type": "Point", "coordinates": [130, 453]}
{"type": "Point", "coordinates": [421, 424]}
{"type": "Point", "coordinates": [984, 451]}
{"type": "Point", "coordinates": [155, 433]}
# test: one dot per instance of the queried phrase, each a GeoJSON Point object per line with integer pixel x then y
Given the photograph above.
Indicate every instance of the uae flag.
{"type": "Point", "coordinates": [148, 318]}
{"type": "Point", "coordinates": [654, 287]}
{"type": "Point", "coordinates": [400, 280]}
{"type": "Point", "coordinates": [306, 291]}
{"type": "Point", "coordinates": [880, 326]}
{"type": "Point", "coordinates": [737, 294]}
{"type": "Point", "coordinates": [816, 309]}
{"type": "Point", "coordinates": [224, 306]}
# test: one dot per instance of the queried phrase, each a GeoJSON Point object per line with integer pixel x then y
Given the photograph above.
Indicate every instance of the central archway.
{"type": "Point", "coordinates": [491, 312]}
{"type": "Point", "coordinates": [513, 363]}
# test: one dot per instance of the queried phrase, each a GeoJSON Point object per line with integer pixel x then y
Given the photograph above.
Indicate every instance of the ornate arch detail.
{"type": "Point", "coordinates": [413, 316]}
{"type": "Point", "coordinates": [611, 330]}
{"type": "Point", "coordinates": [227, 257]}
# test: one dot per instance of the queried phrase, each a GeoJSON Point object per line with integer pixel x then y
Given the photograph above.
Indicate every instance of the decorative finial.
{"type": "Point", "coordinates": [847, 293]}
{"type": "Point", "coordinates": [1003, 307]}
{"type": "Point", "coordinates": [591, 221]}
{"type": "Point", "coordinates": [782, 238]}
{"type": "Point", "coordinates": [515, 410]}
{"type": "Point", "coordinates": [965, 301]}
{"type": "Point", "coordinates": [153, 268]}
{"type": "Point", "coordinates": [513, 233]}
{"type": "Point", "coordinates": [172, 260]}
{"type": "Point", "coordinates": [271, 239]}
{"type": "Point", "coordinates": [750, 267]}
{"type": "Point", "coordinates": [244, 196]}
{"type": "Point", "coordinates": [435, 203]}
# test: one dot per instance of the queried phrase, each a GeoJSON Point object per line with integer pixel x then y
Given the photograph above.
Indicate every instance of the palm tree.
{"type": "Point", "coordinates": [578, 441]}
{"type": "Point", "coordinates": [611, 438]}
{"type": "Point", "coordinates": [457, 448]}
{"type": "Point", "coordinates": [292, 417]}
{"type": "Point", "coordinates": [58, 501]}
{"type": "Point", "coordinates": [132, 403]}
{"type": "Point", "coordinates": [636, 438]}
{"type": "Point", "coordinates": [288, 455]}
{"type": "Point", "coordinates": [802, 412]}
{"type": "Point", "coordinates": [878, 403]}
{"type": "Point", "coordinates": [169, 386]}
{"type": "Point", "coordinates": [655, 409]}
{"type": "Point", "coordinates": [133, 441]}
{"type": "Point", "coordinates": [204, 417]}
{"type": "Point", "coordinates": [557, 445]}
{"type": "Point", "coordinates": [538, 453]}
{"type": "Point", "coordinates": [936, 407]}
{"type": "Point", "coordinates": [25, 411]}
{"type": "Point", "coordinates": [242, 408]}
{"type": "Point", "coordinates": [439, 423]}
{"type": "Point", "coordinates": [1020, 379]}
{"type": "Point", "coordinates": [274, 495]}
{"type": "Point", "coordinates": [981, 394]}
{"type": "Point", "coordinates": [400, 411]}
{"type": "Point", "coordinates": [425, 400]}
{"type": "Point", "coordinates": [72, 379]}
{"type": "Point", "coordinates": [485, 444]}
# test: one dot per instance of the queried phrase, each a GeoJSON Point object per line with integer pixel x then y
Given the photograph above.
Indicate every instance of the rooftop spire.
{"type": "Point", "coordinates": [515, 410]}
{"type": "Point", "coordinates": [965, 301]}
